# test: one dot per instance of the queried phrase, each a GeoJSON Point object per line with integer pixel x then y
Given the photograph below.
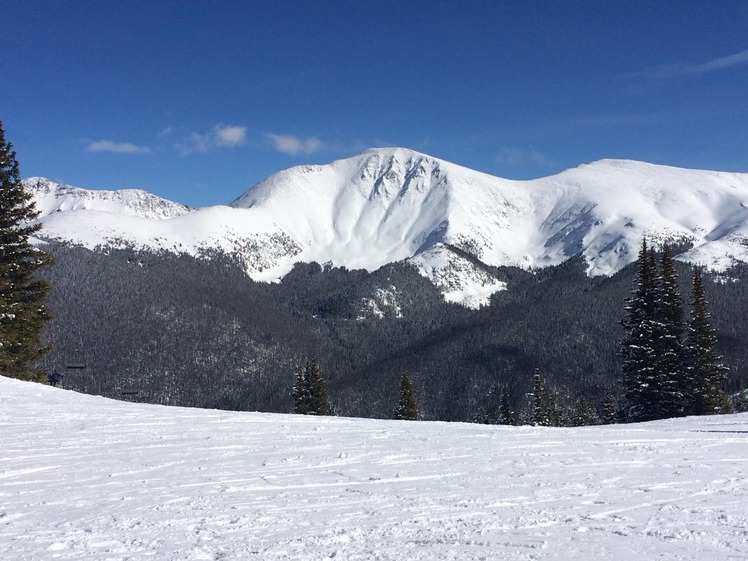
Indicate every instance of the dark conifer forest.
{"type": "Point", "coordinates": [179, 330]}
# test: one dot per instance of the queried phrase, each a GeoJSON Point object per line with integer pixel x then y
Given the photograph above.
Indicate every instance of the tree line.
{"type": "Point", "coordinates": [670, 366]}
{"type": "Point", "coordinates": [310, 394]}
{"type": "Point", "coordinates": [179, 330]}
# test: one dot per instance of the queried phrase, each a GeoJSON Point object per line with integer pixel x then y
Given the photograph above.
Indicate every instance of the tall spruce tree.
{"type": "Point", "coordinates": [407, 408]}
{"type": "Point", "coordinates": [704, 370]}
{"type": "Point", "coordinates": [318, 402]}
{"type": "Point", "coordinates": [490, 414]}
{"type": "Point", "coordinates": [506, 415]}
{"type": "Point", "coordinates": [310, 396]}
{"type": "Point", "coordinates": [584, 413]}
{"type": "Point", "coordinates": [672, 384]}
{"type": "Point", "coordinates": [300, 394]}
{"type": "Point", "coordinates": [610, 409]}
{"type": "Point", "coordinates": [541, 414]}
{"type": "Point", "coordinates": [499, 410]}
{"type": "Point", "coordinates": [23, 315]}
{"type": "Point", "coordinates": [640, 369]}
{"type": "Point", "coordinates": [741, 400]}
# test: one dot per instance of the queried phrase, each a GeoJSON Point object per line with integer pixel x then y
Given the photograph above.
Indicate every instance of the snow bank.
{"type": "Point", "coordinates": [85, 478]}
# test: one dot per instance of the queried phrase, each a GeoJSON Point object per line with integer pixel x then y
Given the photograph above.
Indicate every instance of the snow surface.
{"type": "Point", "coordinates": [392, 204]}
{"type": "Point", "coordinates": [86, 478]}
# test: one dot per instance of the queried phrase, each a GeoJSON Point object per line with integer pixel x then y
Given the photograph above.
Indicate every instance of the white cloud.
{"type": "Point", "coordinates": [194, 143]}
{"type": "Point", "coordinates": [293, 145]}
{"type": "Point", "coordinates": [718, 64]}
{"type": "Point", "coordinates": [674, 70]}
{"type": "Point", "coordinates": [116, 147]}
{"type": "Point", "coordinates": [230, 135]}
{"type": "Point", "coordinates": [518, 157]}
{"type": "Point", "coordinates": [220, 136]}
{"type": "Point", "coordinates": [168, 131]}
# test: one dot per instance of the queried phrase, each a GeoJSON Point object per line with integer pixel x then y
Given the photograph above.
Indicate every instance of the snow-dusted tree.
{"type": "Point", "coordinates": [741, 400]}
{"type": "Point", "coordinates": [300, 393]}
{"type": "Point", "coordinates": [23, 315]}
{"type": "Point", "coordinates": [672, 384]}
{"type": "Point", "coordinates": [640, 366]}
{"type": "Point", "coordinates": [310, 391]}
{"type": "Point", "coordinates": [316, 388]}
{"type": "Point", "coordinates": [541, 416]}
{"type": "Point", "coordinates": [610, 409]}
{"type": "Point", "coordinates": [499, 410]}
{"type": "Point", "coordinates": [489, 414]}
{"type": "Point", "coordinates": [705, 371]}
{"type": "Point", "coordinates": [506, 414]}
{"type": "Point", "coordinates": [584, 413]}
{"type": "Point", "coordinates": [560, 409]}
{"type": "Point", "coordinates": [407, 408]}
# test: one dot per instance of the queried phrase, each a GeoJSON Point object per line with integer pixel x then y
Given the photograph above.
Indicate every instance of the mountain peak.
{"type": "Point", "coordinates": [393, 204]}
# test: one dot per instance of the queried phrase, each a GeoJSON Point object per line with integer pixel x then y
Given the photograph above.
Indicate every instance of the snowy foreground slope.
{"type": "Point", "coordinates": [85, 478]}
{"type": "Point", "coordinates": [392, 204]}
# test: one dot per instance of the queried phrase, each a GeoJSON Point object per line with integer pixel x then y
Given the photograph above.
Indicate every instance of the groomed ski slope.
{"type": "Point", "coordinates": [87, 478]}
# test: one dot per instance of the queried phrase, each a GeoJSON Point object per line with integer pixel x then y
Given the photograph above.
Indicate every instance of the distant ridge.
{"type": "Point", "coordinates": [393, 204]}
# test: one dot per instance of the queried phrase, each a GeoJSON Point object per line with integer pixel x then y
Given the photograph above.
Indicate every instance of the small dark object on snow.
{"type": "Point", "coordinates": [54, 378]}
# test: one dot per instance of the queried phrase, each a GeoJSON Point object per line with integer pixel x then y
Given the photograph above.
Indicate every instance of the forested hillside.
{"type": "Point", "coordinates": [180, 330]}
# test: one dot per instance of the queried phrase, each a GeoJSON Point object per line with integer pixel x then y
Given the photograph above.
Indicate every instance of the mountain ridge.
{"type": "Point", "coordinates": [393, 204]}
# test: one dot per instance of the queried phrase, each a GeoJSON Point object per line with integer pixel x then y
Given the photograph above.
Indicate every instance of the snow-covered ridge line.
{"type": "Point", "coordinates": [392, 204]}
{"type": "Point", "coordinates": [52, 197]}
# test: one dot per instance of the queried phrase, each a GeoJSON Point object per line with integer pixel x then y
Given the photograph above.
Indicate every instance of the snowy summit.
{"type": "Point", "coordinates": [393, 204]}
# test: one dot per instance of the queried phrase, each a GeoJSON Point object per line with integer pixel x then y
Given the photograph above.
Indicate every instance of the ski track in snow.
{"type": "Point", "coordinates": [86, 478]}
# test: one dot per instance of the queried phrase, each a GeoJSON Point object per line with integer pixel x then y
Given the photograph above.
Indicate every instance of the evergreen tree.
{"type": "Point", "coordinates": [726, 406]}
{"type": "Point", "coordinates": [407, 408]}
{"type": "Point", "coordinates": [506, 415]}
{"type": "Point", "coordinates": [640, 369]}
{"type": "Point", "coordinates": [490, 414]}
{"type": "Point", "coordinates": [584, 413]}
{"type": "Point", "coordinates": [300, 394]}
{"type": "Point", "coordinates": [610, 409]}
{"type": "Point", "coordinates": [499, 410]}
{"type": "Point", "coordinates": [560, 412]}
{"type": "Point", "coordinates": [318, 402]}
{"type": "Point", "coordinates": [672, 384]}
{"type": "Point", "coordinates": [705, 372]}
{"type": "Point", "coordinates": [482, 417]}
{"type": "Point", "coordinates": [23, 315]}
{"type": "Point", "coordinates": [741, 401]}
{"type": "Point", "coordinates": [541, 416]}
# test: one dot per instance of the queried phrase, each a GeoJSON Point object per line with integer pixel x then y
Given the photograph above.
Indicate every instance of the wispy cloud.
{"type": "Point", "coordinates": [293, 145]}
{"type": "Point", "coordinates": [738, 59]}
{"type": "Point", "coordinates": [116, 147]}
{"type": "Point", "coordinates": [676, 70]}
{"type": "Point", "coordinates": [220, 136]}
{"type": "Point", "coordinates": [230, 135]}
{"type": "Point", "coordinates": [518, 156]}
{"type": "Point", "coordinates": [168, 131]}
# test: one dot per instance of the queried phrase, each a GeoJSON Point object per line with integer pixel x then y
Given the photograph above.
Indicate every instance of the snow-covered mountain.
{"type": "Point", "coordinates": [393, 204]}
{"type": "Point", "coordinates": [55, 197]}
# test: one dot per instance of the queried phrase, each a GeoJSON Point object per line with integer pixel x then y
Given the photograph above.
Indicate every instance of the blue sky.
{"type": "Point", "coordinates": [197, 101]}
